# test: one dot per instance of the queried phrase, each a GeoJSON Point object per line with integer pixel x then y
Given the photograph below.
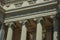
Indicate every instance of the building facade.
{"type": "Point", "coordinates": [29, 20]}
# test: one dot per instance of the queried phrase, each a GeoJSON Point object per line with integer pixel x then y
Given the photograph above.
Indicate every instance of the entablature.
{"type": "Point", "coordinates": [31, 11]}
{"type": "Point", "coordinates": [26, 3]}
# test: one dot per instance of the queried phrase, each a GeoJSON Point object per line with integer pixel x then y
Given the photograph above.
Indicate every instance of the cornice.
{"type": "Point", "coordinates": [31, 6]}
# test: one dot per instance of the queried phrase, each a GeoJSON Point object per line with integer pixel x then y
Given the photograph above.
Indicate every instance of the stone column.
{"type": "Point", "coordinates": [1, 25]}
{"type": "Point", "coordinates": [39, 30]}
{"type": "Point", "coordinates": [59, 30]}
{"type": "Point", "coordinates": [24, 30]}
{"type": "Point", "coordinates": [1, 31]}
{"type": "Point", "coordinates": [9, 35]}
{"type": "Point", "coordinates": [55, 36]}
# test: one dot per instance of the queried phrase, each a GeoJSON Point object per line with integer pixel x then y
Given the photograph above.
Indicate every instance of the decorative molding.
{"type": "Point", "coordinates": [31, 7]}
{"type": "Point", "coordinates": [28, 17]}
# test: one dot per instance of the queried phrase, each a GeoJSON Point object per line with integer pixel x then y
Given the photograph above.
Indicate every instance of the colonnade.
{"type": "Point", "coordinates": [30, 29]}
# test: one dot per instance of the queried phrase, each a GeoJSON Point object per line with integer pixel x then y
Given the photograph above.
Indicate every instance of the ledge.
{"type": "Point", "coordinates": [28, 16]}
{"type": "Point", "coordinates": [31, 7]}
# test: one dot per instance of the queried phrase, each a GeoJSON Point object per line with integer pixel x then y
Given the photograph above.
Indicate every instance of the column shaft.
{"type": "Point", "coordinates": [24, 31]}
{"type": "Point", "coordinates": [1, 31]}
{"type": "Point", "coordinates": [9, 35]}
{"type": "Point", "coordinates": [55, 36]}
{"type": "Point", "coordinates": [39, 31]}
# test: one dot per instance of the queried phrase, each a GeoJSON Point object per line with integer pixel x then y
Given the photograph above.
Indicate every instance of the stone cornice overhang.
{"type": "Point", "coordinates": [31, 6]}
{"type": "Point", "coordinates": [33, 11]}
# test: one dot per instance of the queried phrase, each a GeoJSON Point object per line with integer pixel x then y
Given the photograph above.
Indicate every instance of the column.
{"type": "Point", "coordinates": [59, 30]}
{"type": "Point", "coordinates": [24, 31]}
{"type": "Point", "coordinates": [39, 30]}
{"type": "Point", "coordinates": [1, 31]}
{"type": "Point", "coordinates": [9, 35]}
{"type": "Point", "coordinates": [55, 36]}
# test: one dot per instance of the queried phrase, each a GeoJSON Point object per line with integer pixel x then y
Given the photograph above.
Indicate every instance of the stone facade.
{"type": "Point", "coordinates": [29, 20]}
